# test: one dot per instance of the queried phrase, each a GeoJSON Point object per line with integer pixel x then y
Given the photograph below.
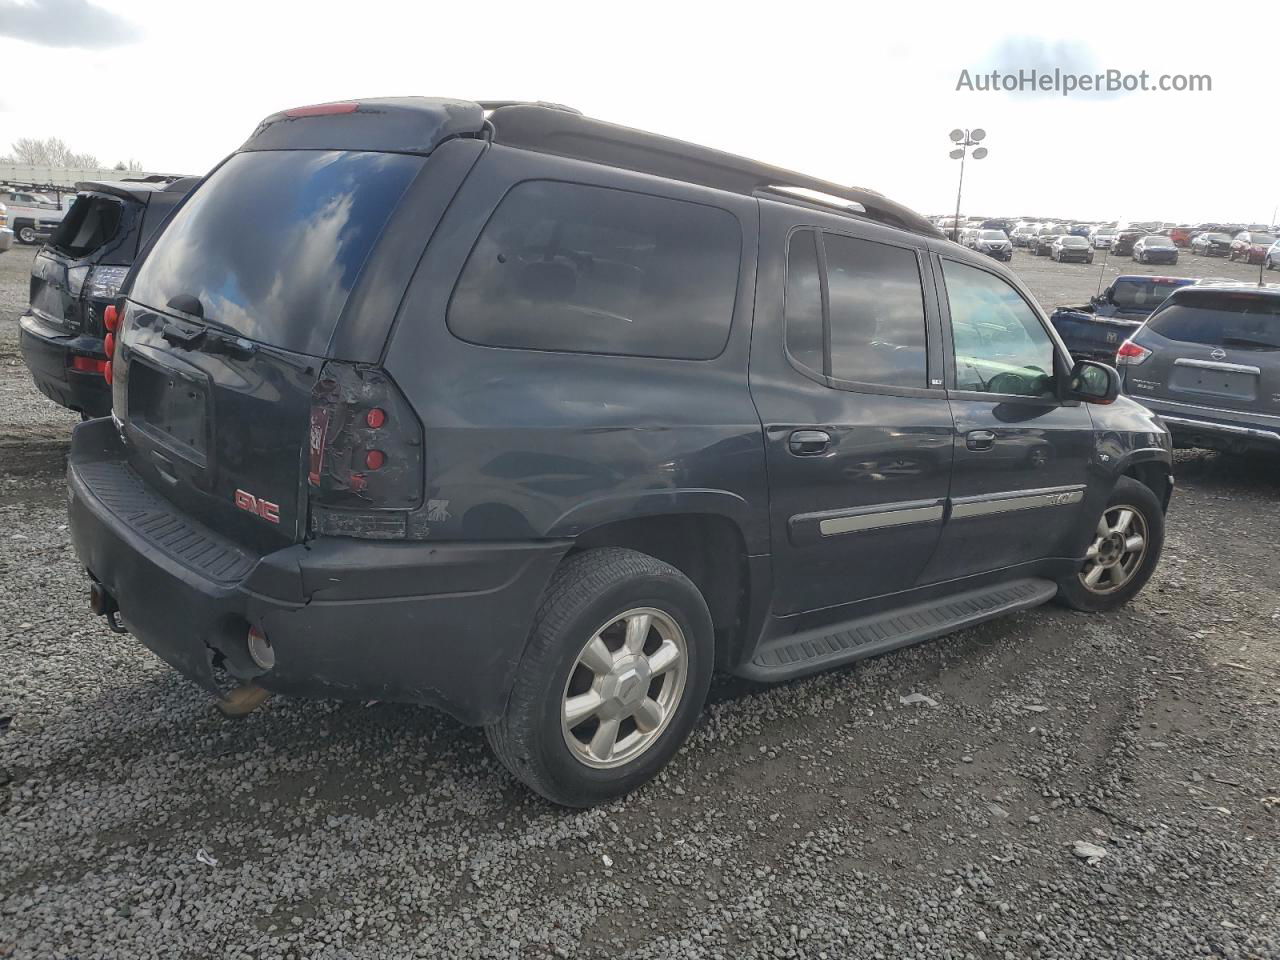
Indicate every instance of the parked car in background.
{"type": "Point", "coordinates": [1208, 361]}
{"type": "Point", "coordinates": [1102, 237]}
{"type": "Point", "coordinates": [1181, 235]}
{"type": "Point", "coordinates": [1022, 235]}
{"type": "Point", "coordinates": [6, 235]}
{"type": "Point", "coordinates": [32, 216]}
{"type": "Point", "coordinates": [1155, 248]}
{"type": "Point", "coordinates": [1211, 244]}
{"type": "Point", "coordinates": [1094, 331]}
{"type": "Point", "coordinates": [968, 235]}
{"type": "Point", "coordinates": [76, 276]}
{"type": "Point", "coordinates": [994, 244]}
{"type": "Point", "coordinates": [1122, 243]}
{"type": "Point", "coordinates": [1080, 229]}
{"type": "Point", "coordinates": [1272, 259]}
{"type": "Point", "coordinates": [347, 467]}
{"type": "Point", "coordinates": [1071, 249]}
{"type": "Point", "coordinates": [1250, 246]}
{"type": "Point", "coordinates": [1041, 244]}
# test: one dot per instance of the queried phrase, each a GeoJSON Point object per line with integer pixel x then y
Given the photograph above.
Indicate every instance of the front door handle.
{"type": "Point", "coordinates": [979, 439]}
{"type": "Point", "coordinates": [808, 443]}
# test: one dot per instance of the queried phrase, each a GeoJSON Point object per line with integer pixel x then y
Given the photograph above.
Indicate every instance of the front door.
{"type": "Point", "coordinates": [858, 441]}
{"type": "Point", "coordinates": [1022, 455]}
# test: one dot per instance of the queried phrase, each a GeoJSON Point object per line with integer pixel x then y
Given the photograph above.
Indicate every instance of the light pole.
{"type": "Point", "coordinates": [964, 139]}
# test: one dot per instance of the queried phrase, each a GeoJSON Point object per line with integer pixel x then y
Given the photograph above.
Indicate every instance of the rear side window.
{"type": "Point", "coordinates": [91, 222]}
{"type": "Point", "coordinates": [583, 269]}
{"type": "Point", "coordinates": [877, 313]}
{"type": "Point", "coordinates": [1241, 321]}
{"type": "Point", "coordinates": [803, 305]}
{"type": "Point", "coordinates": [273, 242]}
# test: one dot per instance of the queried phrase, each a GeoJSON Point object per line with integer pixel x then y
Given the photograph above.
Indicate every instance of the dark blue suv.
{"type": "Point", "coordinates": [540, 420]}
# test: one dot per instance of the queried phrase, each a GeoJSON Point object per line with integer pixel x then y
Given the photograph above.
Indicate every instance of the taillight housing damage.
{"type": "Point", "coordinates": [364, 465]}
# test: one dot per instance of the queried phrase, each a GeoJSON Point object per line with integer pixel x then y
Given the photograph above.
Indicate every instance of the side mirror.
{"type": "Point", "coordinates": [1094, 382]}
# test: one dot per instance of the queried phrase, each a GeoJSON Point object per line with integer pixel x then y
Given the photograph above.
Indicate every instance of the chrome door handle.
{"type": "Point", "coordinates": [808, 443]}
{"type": "Point", "coordinates": [979, 439]}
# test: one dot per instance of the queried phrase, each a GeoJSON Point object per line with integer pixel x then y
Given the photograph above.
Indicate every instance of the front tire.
{"type": "Point", "coordinates": [1124, 553]}
{"type": "Point", "coordinates": [612, 681]}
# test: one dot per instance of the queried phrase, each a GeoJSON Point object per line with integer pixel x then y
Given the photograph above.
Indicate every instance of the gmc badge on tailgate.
{"type": "Point", "coordinates": [264, 508]}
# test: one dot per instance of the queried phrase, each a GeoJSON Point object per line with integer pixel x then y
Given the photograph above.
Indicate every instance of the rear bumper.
{"type": "Point", "coordinates": [47, 352]}
{"type": "Point", "coordinates": [437, 624]}
{"type": "Point", "coordinates": [1215, 428]}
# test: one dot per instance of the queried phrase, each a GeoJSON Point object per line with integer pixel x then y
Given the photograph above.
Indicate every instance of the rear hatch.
{"type": "Point", "coordinates": [228, 325]}
{"type": "Point", "coordinates": [1216, 348]}
{"type": "Point", "coordinates": [72, 277]}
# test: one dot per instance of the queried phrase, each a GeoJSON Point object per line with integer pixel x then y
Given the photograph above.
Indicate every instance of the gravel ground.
{"type": "Point", "coordinates": [820, 818]}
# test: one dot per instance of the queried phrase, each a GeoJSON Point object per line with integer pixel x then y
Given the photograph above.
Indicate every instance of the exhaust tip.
{"type": "Point", "coordinates": [260, 649]}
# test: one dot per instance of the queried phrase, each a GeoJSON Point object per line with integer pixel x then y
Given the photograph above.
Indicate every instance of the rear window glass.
{"type": "Point", "coordinates": [91, 222]}
{"type": "Point", "coordinates": [568, 267]}
{"type": "Point", "coordinates": [273, 242]}
{"type": "Point", "coordinates": [1138, 294]}
{"type": "Point", "coordinates": [1240, 321]}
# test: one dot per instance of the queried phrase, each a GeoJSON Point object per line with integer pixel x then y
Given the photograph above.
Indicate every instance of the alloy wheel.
{"type": "Point", "coordinates": [1117, 552]}
{"type": "Point", "coordinates": [624, 688]}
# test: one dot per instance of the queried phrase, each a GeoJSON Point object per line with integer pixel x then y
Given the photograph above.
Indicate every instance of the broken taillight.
{"type": "Point", "coordinates": [364, 453]}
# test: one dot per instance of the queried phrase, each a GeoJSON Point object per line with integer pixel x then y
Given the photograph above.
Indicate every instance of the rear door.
{"type": "Point", "coordinates": [230, 319]}
{"type": "Point", "coordinates": [846, 377]}
{"type": "Point", "coordinates": [1212, 348]}
{"type": "Point", "coordinates": [1021, 455]}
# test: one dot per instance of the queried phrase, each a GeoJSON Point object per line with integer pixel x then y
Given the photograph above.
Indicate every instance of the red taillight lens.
{"type": "Point", "coordinates": [111, 317]}
{"type": "Point", "coordinates": [365, 453]}
{"type": "Point", "coordinates": [323, 109]}
{"type": "Point", "coordinates": [1130, 354]}
{"type": "Point", "coordinates": [109, 345]}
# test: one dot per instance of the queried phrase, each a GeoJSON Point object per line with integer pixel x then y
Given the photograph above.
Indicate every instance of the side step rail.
{"type": "Point", "coordinates": [782, 658]}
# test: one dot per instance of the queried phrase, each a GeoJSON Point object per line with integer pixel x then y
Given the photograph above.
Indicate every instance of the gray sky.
{"type": "Point", "coordinates": [860, 94]}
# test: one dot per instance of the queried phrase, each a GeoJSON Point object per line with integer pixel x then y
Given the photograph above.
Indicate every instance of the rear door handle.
{"type": "Point", "coordinates": [808, 443]}
{"type": "Point", "coordinates": [979, 439]}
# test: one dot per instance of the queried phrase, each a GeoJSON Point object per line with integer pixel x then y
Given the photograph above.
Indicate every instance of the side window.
{"type": "Point", "coordinates": [803, 307]}
{"type": "Point", "coordinates": [877, 313]}
{"type": "Point", "coordinates": [569, 267]}
{"type": "Point", "coordinates": [1000, 344]}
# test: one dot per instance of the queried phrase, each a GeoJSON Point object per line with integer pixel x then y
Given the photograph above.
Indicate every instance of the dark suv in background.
{"type": "Point", "coordinates": [77, 275]}
{"type": "Point", "coordinates": [539, 420]}
{"type": "Point", "coordinates": [1208, 361]}
{"type": "Point", "coordinates": [1095, 330]}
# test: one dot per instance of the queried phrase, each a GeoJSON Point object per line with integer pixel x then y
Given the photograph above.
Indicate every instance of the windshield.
{"type": "Point", "coordinates": [1140, 294]}
{"type": "Point", "coordinates": [1265, 239]}
{"type": "Point", "coordinates": [994, 235]}
{"type": "Point", "coordinates": [273, 242]}
{"type": "Point", "coordinates": [1220, 237]}
{"type": "Point", "coordinates": [1244, 321]}
{"type": "Point", "coordinates": [1074, 242]}
{"type": "Point", "coordinates": [1157, 242]}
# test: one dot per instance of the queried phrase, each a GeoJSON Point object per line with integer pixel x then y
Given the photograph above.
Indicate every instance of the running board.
{"type": "Point", "coordinates": [782, 658]}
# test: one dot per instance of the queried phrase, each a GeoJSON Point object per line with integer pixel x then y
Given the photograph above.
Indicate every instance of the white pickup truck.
{"type": "Point", "coordinates": [33, 216]}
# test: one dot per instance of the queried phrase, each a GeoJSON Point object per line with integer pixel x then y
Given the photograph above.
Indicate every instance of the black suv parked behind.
{"type": "Point", "coordinates": [539, 420]}
{"type": "Point", "coordinates": [77, 275]}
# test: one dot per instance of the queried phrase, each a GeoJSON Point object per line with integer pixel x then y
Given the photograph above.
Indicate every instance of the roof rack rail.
{"type": "Point", "coordinates": [570, 134]}
{"type": "Point", "coordinates": [491, 105]}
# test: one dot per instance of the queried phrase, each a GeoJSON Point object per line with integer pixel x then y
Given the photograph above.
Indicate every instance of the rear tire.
{"type": "Point", "coordinates": [26, 234]}
{"type": "Point", "coordinates": [1117, 566]}
{"type": "Point", "coordinates": [614, 629]}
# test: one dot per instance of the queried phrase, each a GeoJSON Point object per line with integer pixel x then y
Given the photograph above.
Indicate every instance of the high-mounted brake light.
{"type": "Point", "coordinates": [1130, 354]}
{"type": "Point", "coordinates": [324, 109]}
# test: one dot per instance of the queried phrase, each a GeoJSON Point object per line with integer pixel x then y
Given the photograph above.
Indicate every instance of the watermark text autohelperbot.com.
{"type": "Point", "coordinates": [1062, 82]}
